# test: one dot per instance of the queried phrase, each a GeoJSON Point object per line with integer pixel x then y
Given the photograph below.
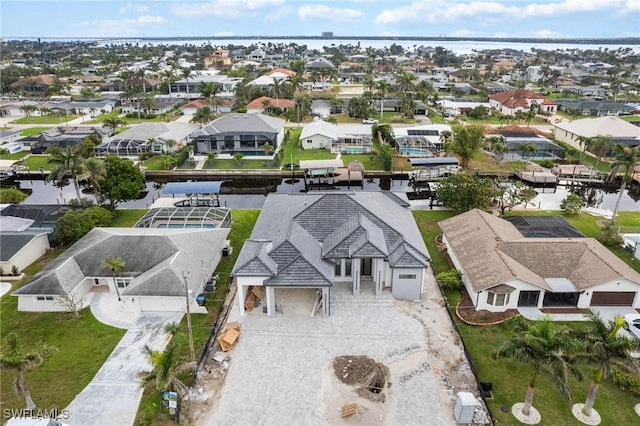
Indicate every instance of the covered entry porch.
{"type": "Point", "coordinates": [289, 300]}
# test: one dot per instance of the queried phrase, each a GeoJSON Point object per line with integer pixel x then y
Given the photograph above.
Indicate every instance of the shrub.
{"type": "Point", "coordinates": [609, 236]}
{"type": "Point", "coordinates": [547, 163]}
{"type": "Point", "coordinates": [15, 271]}
{"type": "Point", "coordinates": [144, 156]}
{"type": "Point", "coordinates": [74, 224]}
{"type": "Point", "coordinates": [627, 381]}
{"type": "Point", "coordinates": [449, 280]}
{"type": "Point", "coordinates": [11, 196]}
{"type": "Point", "coordinates": [572, 204]}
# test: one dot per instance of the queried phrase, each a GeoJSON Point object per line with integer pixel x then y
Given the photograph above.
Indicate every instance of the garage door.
{"type": "Point", "coordinates": [612, 298]}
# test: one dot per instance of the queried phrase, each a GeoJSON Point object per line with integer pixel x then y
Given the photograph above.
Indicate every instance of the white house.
{"type": "Point", "coordinates": [347, 138]}
{"type": "Point", "coordinates": [501, 269]}
{"type": "Point", "coordinates": [158, 263]}
{"type": "Point", "coordinates": [21, 249]}
{"type": "Point", "coordinates": [617, 128]}
{"type": "Point", "coordinates": [305, 244]}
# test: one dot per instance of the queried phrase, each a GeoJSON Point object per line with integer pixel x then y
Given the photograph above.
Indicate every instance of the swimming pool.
{"type": "Point", "coordinates": [354, 150]}
{"type": "Point", "coordinates": [416, 152]}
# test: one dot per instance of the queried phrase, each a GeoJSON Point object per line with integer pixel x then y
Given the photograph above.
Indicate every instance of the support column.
{"type": "Point", "coordinates": [378, 282]}
{"type": "Point", "coordinates": [326, 301]}
{"type": "Point", "coordinates": [355, 272]}
{"type": "Point", "coordinates": [271, 301]}
{"type": "Point", "coordinates": [240, 292]}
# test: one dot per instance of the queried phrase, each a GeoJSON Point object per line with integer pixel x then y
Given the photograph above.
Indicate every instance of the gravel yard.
{"type": "Point", "coordinates": [283, 368]}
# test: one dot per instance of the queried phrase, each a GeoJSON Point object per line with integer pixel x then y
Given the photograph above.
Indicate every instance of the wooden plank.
{"type": "Point", "coordinates": [223, 345]}
{"type": "Point", "coordinates": [251, 298]}
{"type": "Point", "coordinates": [349, 409]}
{"type": "Point", "coordinates": [258, 292]}
{"type": "Point", "coordinates": [231, 336]}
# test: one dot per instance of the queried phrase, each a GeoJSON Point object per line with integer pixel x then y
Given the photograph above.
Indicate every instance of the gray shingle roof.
{"type": "Point", "coordinates": [242, 123]}
{"type": "Point", "coordinates": [12, 242]}
{"type": "Point", "coordinates": [155, 258]}
{"type": "Point", "coordinates": [304, 230]}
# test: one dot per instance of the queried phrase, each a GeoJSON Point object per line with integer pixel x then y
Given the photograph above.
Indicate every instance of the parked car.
{"type": "Point", "coordinates": [632, 324]}
{"type": "Point", "coordinates": [369, 121]}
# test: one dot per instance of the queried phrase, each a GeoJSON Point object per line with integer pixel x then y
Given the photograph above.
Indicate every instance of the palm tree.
{"type": "Point", "coordinates": [600, 146]}
{"type": "Point", "coordinates": [148, 103]}
{"type": "Point", "coordinates": [166, 368]}
{"type": "Point", "coordinates": [369, 84]}
{"type": "Point", "coordinates": [13, 358]}
{"type": "Point", "coordinates": [625, 164]}
{"type": "Point", "coordinates": [405, 81]}
{"type": "Point", "coordinates": [187, 73]}
{"type": "Point", "coordinates": [168, 76]}
{"type": "Point", "coordinates": [382, 87]}
{"type": "Point", "coordinates": [112, 122]}
{"type": "Point", "coordinates": [296, 82]}
{"type": "Point", "coordinates": [276, 90]}
{"type": "Point", "coordinates": [95, 171]}
{"type": "Point", "coordinates": [604, 349]}
{"type": "Point", "coordinates": [115, 265]}
{"type": "Point", "coordinates": [266, 106]}
{"type": "Point", "coordinates": [543, 345]}
{"type": "Point", "coordinates": [202, 116]}
{"type": "Point", "coordinates": [65, 162]}
{"type": "Point", "coordinates": [211, 156]}
{"type": "Point", "coordinates": [407, 105]}
{"type": "Point", "coordinates": [209, 90]}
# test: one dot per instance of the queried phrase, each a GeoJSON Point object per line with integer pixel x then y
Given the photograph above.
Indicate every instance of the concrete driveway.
{"type": "Point", "coordinates": [113, 396]}
{"type": "Point", "coordinates": [609, 313]}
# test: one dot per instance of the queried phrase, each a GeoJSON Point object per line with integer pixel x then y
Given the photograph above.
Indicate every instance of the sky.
{"type": "Point", "coordinates": [220, 18]}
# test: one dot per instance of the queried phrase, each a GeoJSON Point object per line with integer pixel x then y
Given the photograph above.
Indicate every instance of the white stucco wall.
{"type": "Point", "coordinates": [622, 284]}
{"type": "Point", "coordinates": [28, 254]}
{"type": "Point", "coordinates": [29, 303]}
{"type": "Point", "coordinates": [316, 142]}
{"type": "Point", "coordinates": [407, 288]}
{"type": "Point", "coordinates": [161, 303]}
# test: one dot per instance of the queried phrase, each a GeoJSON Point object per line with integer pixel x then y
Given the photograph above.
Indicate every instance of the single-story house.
{"type": "Point", "coordinates": [159, 106]}
{"type": "Point", "coordinates": [9, 136]}
{"type": "Point", "coordinates": [227, 85]}
{"type": "Point", "coordinates": [158, 264]}
{"type": "Point", "coordinates": [620, 131]}
{"type": "Point", "coordinates": [594, 108]}
{"type": "Point", "coordinates": [309, 243]}
{"type": "Point", "coordinates": [265, 104]}
{"type": "Point", "coordinates": [455, 107]}
{"type": "Point", "coordinates": [64, 136]}
{"type": "Point", "coordinates": [501, 269]}
{"type": "Point", "coordinates": [521, 100]}
{"type": "Point", "coordinates": [21, 249]}
{"type": "Point", "coordinates": [90, 107]}
{"type": "Point", "coordinates": [239, 133]}
{"type": "Point", "coordinates": [420, 140]}
{"type": "Point", "coordinates": [35, 84]}
{"type": "Point", "coordinates": [349, 138]}
{"type": "Point", "coordinates": [148, 137]}
{"type": "Point", "coordinates": [223, 105]}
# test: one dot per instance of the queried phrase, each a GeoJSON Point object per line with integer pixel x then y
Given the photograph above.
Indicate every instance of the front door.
{"type": "Point", "coordinates": [528, 298]}
{"type": "Point", "coordinates": [365, 268]}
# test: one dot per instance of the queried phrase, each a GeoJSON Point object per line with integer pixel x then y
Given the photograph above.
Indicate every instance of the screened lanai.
{"type": "Point", "coordinates": [186, 217]}
{"type": "Point", "coordinates": [544, 148]}
{"type": "Point", "coordinates": [122, 148]}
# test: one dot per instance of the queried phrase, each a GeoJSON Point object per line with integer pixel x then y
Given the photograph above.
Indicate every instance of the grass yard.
{"type": "Point", "coordinates": [35, 161]}
{"type": "Point", "coordinates": [154, 163]}
{"type": "Point", "coordinates": [486, 163]}
{"type": "Point", "coordinates": [631, 118]}
{"type": "Point", "coordinates": [150, 410]}
{"type": "Point", "coordinates": [231, 164]}
{"type": "Point", "coordinates": [32, 131]}
{"type": "Point", "coordinates": [428, 224]}
{"type": "Point", "coordinates": [45, 119]}
{"type": "Point", "coordinates": [83, 346]}
{"type": "Point", "coordinates": [126, 218]}
{"type": "Point", "coordinates": [100, 118]}
{"type": "Point", "coordinates": [15, 156]}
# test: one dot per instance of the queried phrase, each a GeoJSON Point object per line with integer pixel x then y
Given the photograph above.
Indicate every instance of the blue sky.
{"type": "Point", "coordinates": [454, 18]}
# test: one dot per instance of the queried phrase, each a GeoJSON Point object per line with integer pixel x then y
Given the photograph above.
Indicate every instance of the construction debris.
{"type": "Point", "coordinates": [253, 293]}
{"type": "Point", "coordinates": [229, 336]}
{"type": "Point", "coordinates": [349, 410]}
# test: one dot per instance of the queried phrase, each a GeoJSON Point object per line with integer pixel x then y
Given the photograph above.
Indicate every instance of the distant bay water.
{"type": "Point", "coordinates": [456, 46]}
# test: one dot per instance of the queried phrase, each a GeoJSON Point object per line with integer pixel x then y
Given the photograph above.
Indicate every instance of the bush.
{"type": "Point", "coordinates": [76, 223]}
{"type": "Point", "coordinates": [11, 196]}
{"type": "Point", "coordinates": [572, 204]}
{"type": "Point", "coordinates": [449, 280]}
{"type": "Point", "coordinates": [547, 163]}
{"type": "Point", "coordinates": [144, 156]}
{"type": "Point", "coordinates": [15, 271]}
{"type": "Point", "coordinates": [609, 236]}
{"type": "Point", "coordinates": [627, 381]}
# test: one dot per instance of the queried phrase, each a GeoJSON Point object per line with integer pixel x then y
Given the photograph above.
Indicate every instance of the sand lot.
{"type": "Point", "coordinates": [282, 369]}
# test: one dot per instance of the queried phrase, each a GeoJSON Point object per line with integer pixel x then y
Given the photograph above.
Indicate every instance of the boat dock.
{"type": "Point", "coordinates": [536, 177]}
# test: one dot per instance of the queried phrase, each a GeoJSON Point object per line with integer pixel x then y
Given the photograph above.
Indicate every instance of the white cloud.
{"type": "Point", "coordinates": [278, 13]}
{"type": "Point", "coordinates": [387, 34]}
{"type": "Point", "coordinates": [443, 11]}
{"type": "Point", "coordinates": [465, 33]}
{"type": "Point", "coordinates": [312, 12]}
{"type": "Point", "coordinates": [230, 9]}
{"type": "Point", "coordinates": [140, 8]}
{"type": "Point", "coordinates": [120, 27]}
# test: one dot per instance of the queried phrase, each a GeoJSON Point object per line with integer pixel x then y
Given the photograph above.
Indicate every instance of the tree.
{"type": "Point", "coordinates": [463, 192]}
{"type": "Point", "coordinates": [209, 90]}
{"type": "Point", "coordinates": [71, 302]}
{"type": "Point", "coordinates": [405, 81]}
{"type": "Point", "coordinates": [28, 109]}
{"type": "Point", "coordinates": [148, 103]}
{"type": "Point", "coordinates": [94, 170]}
{"type": "Point", "coordinates": [13, 357]}
{"type": "Point", "coordinates": [571, 204]}
{"type": "Point", "coordinates": [498, 147]}
{"type": "Point", "coordinates": [514, 194]}
{"type": "Point", "coordinates": [267, 148]}
{"type": "Point", "coordinates": [383, 88]}
{"type": "Point", "coordinates": [12, 196]}
{"type": "Point", "coordinates": [610, 236]}
{"type": "Point", "coordinates": [187, 73]}
{"type": "Point", "coordinates": [602, 347]}
{"type": "Point", "coordinates": [76, 223]}
{"type": "Point", "coordinates": [625, 164]}
{"type": "Point", "coordinates": [238, 158]}
{"type": "Point", "coordinates": [211, 156]}
{"type": "Point", "coordinates": [123, 181]}
{"type": "Point", "coordinates": [466, 142]}
{"type": "Point", "coordinates": [65, 162]}
{"type": "Point", "coordinates": [112, 122]}
{"type": "Point", "coordinates": [166, 368]}
{"type": "Point", "coordinates": [386, 156]}
{"type": "Point", "coordinates": [296, 82]}
{"type": "Point", "coordinates": [407, 105]}
{"type": "Point", "coordinates": [202, 116]}
{"type": "Point", "coordinates": [449, 280]}
{"type": "Point", "coordinates": [600, 146]}
{"type": "Point", "coordinates": [528, 150]}
{"type": "Point", "coordinates": [114, 265]}
{"type": "Point", "coordinates": [545, 347]}
{"type": "Point", "coordinates": [358, 107]}
{"type": "Point", "coordinates": [276, 90]}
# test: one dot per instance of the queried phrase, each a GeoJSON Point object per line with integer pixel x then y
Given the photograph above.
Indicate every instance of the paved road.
{"type": "Point", "coordinates": [113, 396]}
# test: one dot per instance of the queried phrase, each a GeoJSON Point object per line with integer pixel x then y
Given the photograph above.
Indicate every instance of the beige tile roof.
{"type": "Point", "coordinates": [493, 252]}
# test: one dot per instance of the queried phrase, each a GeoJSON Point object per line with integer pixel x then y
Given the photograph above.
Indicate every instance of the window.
{"type": "Point", "coordinates": [309, 140]}
{"type": "Point", "coordinates": [338, 269]}
{"type": "Point", "coordinates": [497, 299]}
{"type": "Point", "coordinates": [42, 298]}
{"type": "Point", "coordinates": [123, 282]}
{"type": "Point", "coordinates": [347, 268]}
{"type": "Point", "coordinates": [407, 276]}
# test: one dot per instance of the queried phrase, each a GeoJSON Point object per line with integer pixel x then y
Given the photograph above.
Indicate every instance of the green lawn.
{"type": "Point", "coordinates": [32, 131]}
{"type": "Point", "coordinates": [126, 218]}
{"type": "Point", "coordinates": [150, 410]}
{"type": "Point", "coordinates": [154, 163]}
{"type": "Point", "coordinates": [230, 164]}
{"type": "Point", "coordinates": [631, 118]}
{"type": "Point", "coordinates": [15, 156]}
{"type": "Point", "coordinates": [509, 378]}
{"type": "Point", "coordinates": [45, 119]}
{"type": "Point", "coordinates": [35, 161]}
{"type": "Point", "coordinates": [100, 118]}
{"type": "Point", "coordinates": [573, 154]}
{"type": "Point", "coordinates": [83, 346]}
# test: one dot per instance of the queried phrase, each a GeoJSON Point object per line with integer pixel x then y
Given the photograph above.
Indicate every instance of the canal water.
{"type": "Point", "coordinates": [251, 194]}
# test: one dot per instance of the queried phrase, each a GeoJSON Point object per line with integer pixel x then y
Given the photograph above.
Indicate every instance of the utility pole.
{"type": "Point", "coordinates": [190, 330]}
